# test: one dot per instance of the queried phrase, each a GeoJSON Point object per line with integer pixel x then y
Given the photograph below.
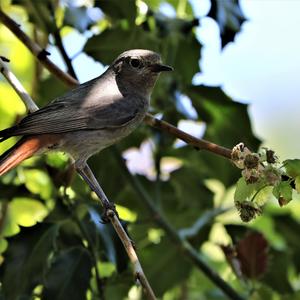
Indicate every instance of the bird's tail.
{"type": "Point", "coordinates": [26, 147]}
{"type": "Point", "coordinates": [23, 149]}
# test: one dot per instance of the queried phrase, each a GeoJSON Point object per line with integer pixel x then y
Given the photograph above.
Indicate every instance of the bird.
{"type": "Point", "coordinates": [90, 117]}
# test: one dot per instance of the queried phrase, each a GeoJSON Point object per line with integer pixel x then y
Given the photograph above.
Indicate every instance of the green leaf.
{"type": "Point", "coordinates": [25, 260]}
{"type": "Point", "coordinates": [292, 167]}
{"type": "Point", "coordinates": [125, 9]}
{"type": "Point", "coordinates": [183, 198]}
{"type": "Point", "coordinates": [189, 48]}
{"type": "Point", "coordinates": [3, 245]}
{"type": "Point", "coordinates": [57, 160]}
{"type": "Point", "coordinates": [244, 191]}
{"type": "Point", "coordinates": [166, 257]}
{"type": "Point", "coordinates": [283, 192]}
{"type": "Point", "coordinates": [101, 48]}
{"type": "Point", "coordinates": [22, 211]}
{"type": "Point", "coordinates": [118, 285]}
{"type": "Point", "coordinates": [154, 4]}
{"type": "Point", "coordinates": [218, 110]}
{"type": "Point", "coordinates": [39, 13]}
{"type": "Point", "coordinates": [264, 292]}
{"type": "Point", "coordinates": [48, 89]}
{"type": "Point", "coordinates": [229, 17]}
{"type": "Point", "coordinates": [27, 212]}
{"type": "Point", "coordinates": [107, 268]}
{"type": "Point", "coordinates": [264, 195]}
{"type": "Point", "coordinates": [69, 275]}
{"type": "Point", "coordinates": [278, 280]}
{"type": "Point", "coordinates": [38, 182]}
{"type": "Point", "coordinates": [289, 229]}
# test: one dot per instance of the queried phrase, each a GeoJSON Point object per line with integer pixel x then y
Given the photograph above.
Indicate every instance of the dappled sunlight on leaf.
{"type": "Point", "coordinates": [3, 245]}
{"type": "Point", "coordinates": [27, 212]}
{"type": "Point", "coordinates": [155, 235]}
{"type": "Point", "coordinates": [38, 182]}
{"type": "Point", "coordinates": [57, 159]}
{"type": "Point", "coordinates": [126, 214]}
{"type": "Point", "coordinates": [106, 268]}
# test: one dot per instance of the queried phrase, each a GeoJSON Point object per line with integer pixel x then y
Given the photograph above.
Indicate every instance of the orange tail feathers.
{"type": "Point", "coordinates": [23, 149]}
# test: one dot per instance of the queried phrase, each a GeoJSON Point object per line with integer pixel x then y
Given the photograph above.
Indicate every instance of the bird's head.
{"type": "Point", "coordinates": [137, 70]}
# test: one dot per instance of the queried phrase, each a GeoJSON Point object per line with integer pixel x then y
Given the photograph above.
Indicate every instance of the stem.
{"type": "Point", "coordinates": [187, 249]}
{"type": "Point", "coordinates": [36, 50]}
{"type": "Point", "coordinates": [199, 144]}
{"type": "Point", "coordinates": [110, 214]}
{"type": "Point", "coordinates": [140, 275]}
{"type": "Point", "coordinates": [17, 86]}
{"type": "Point", "coordinates": [62, 50]}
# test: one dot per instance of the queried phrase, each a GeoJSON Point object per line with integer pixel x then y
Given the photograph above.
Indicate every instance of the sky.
{"type": "Point", "coordinates": [259, 68]}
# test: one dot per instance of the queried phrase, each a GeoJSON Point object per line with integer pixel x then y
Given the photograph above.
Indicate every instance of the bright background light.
{"type": "Point", "coordinates": [261, 68]}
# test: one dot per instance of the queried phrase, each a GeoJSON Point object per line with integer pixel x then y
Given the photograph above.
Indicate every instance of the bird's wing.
{"type": "Point", "coordinates": [61, 118]}
{"type": "Point", "coordinates": [71, 113]}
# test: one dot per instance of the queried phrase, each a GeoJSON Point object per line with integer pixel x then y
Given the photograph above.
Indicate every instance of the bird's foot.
{"type": "Point", "coordinates": [108, 213]}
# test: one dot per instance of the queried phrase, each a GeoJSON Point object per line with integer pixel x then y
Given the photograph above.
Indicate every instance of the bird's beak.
{"type": "Point", "coordinates": [160, 68]}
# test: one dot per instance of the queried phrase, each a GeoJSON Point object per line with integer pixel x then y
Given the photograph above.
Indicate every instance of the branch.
{"type": "Point", "coordinates": [138, 270]}
{"type": "Point", "coordinates": [182, 243]}
{"type": "Point", "coordinates": [36, 50]}
{"type": "Point", "coordinates": [60, 46]}
{"type": "Point", "coordinates": [17, 86]}
{"type": "Point", "coordinates": [199, 144]}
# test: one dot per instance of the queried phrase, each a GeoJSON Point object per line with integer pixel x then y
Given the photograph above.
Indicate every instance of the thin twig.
{"type": "Point", "coordinates": [187, 249]}
{"type": "Point", "coordinates": [36, 50]}
{"type": "Point", "coordinates": [17, 86]}
{"type": "Point", "coordinates": [138, 271]}
{"type": "Point", "coordinates": [62, 50]}
{"type": "Point", "coordinates": [199, 144]}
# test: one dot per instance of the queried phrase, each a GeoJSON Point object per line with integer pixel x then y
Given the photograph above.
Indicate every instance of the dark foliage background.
{"type": "Point", "coordinates": [52, 243]}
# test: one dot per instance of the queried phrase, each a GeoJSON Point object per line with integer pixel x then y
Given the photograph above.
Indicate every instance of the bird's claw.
{"type": "Point", "coordinates": [109, 211]}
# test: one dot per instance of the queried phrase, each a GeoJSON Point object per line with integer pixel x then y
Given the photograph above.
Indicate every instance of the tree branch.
{"type": "Point", "coordinates": [62, 50]}
{"type": "Point", "coordinates": [199, 144]}
{"type": "Point", "coordinates": [36, 50]}
{"type": "Point", "coordinates": [17, 86]}
{"type": "Point", "coordinates": [138, 270]}
{"type": "Point", "coordinates": [182, 243]}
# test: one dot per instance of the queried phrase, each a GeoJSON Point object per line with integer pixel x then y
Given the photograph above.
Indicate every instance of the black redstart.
{"type": "Point", "coordinates": [92, 116]}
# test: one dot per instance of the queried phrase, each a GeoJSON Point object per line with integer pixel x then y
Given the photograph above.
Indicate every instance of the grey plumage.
{"type": "Point", "coordinates": [99, 112]}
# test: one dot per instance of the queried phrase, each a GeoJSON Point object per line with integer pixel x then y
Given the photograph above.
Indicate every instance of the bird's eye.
{"type": "Point", "coordinates": [135, 63]}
